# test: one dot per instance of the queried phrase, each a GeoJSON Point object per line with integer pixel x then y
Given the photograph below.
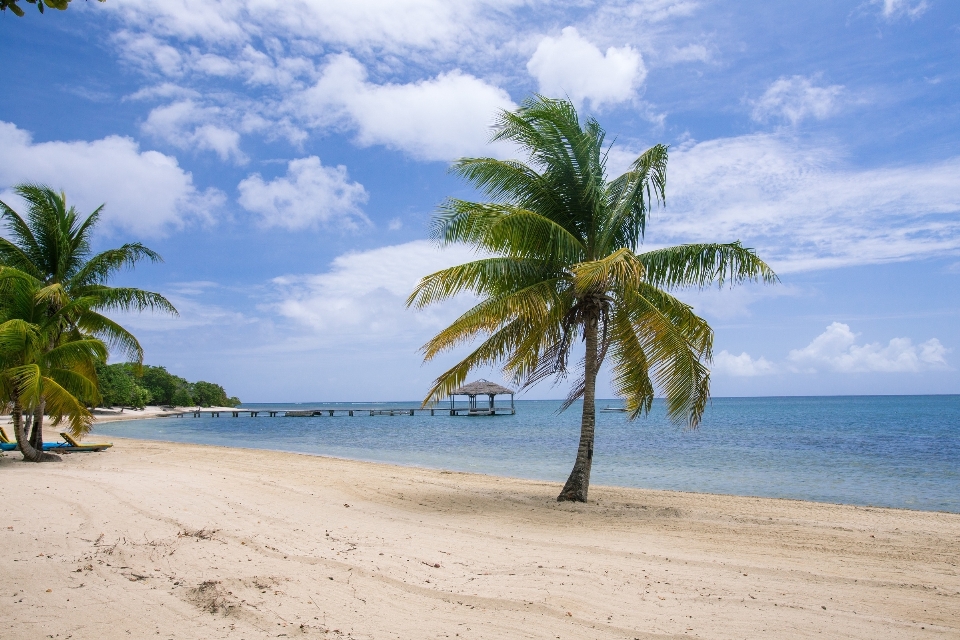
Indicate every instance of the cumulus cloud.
{"type": "Point", "coordinates": [361, 297]}
{"type": "Point", "coordinates": [742, 365]}
{"type": "Point", "coordinates": [894, 9]}
{"type": "Point", "coordinates": [309, 195]}
{"type": "Point", "coordinates": [572, 65]}
{"type": "Point", "coordinates": [436, 119]}
{"type": "Point", "coordinates": [186, 125]}
{"type": "Point", "coordinates": [150, 53]}
{"type": "Point", "coordinates": [803, 208]}
{"type": "Point", "coordinates": [836, 350]}
{"type": "Point", "coordinates": [146, 192]}
{"type": "Point", "coordinates": [796, 98]}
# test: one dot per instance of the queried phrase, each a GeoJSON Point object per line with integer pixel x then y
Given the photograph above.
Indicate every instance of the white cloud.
{"type": "Point", "coordinates": [894, 9]}
{"type": "Point", "coordinates": [836, 350]}
{"type": "Point", "coordinates": [733, 302]}
{"type": "Point", "coordinates": [310, 194]}
{"type": "Point", "coordinates": [150, 53]}
{"type": "Point", "coordinates": [186, 125]}
{"type": "Point", "coordinates": [146, 192]}
{"type": "Point", "coordinates": [362, 297]}
{"type": "Point", "coordinates": [796, 98]}
{"type": "Point", "coordinates": [688, 53]}
{"type": "Point", "coordinates": [572, 65]}
{"type": "Point", "coordinates": [742, 365]}
{"type": "Point", "coordinates": [802, 208]}
{"type": "Point", "coordinates": [387, 25]}
{"type": "Point", "coordinates": [436, 119]}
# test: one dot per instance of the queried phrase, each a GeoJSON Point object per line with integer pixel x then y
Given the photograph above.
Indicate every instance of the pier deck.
{"type": "Point", "coordinates": [347, 411]}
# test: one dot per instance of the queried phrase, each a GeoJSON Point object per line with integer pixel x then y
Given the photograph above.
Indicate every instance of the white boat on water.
{"type": "Point", "coordinates": [614, 410]}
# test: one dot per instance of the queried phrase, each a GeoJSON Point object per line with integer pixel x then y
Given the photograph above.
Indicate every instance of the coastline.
{"type": "Point", "coordinates": [102, 416]}
{"type": "Point", "coordinates": [256, 543]}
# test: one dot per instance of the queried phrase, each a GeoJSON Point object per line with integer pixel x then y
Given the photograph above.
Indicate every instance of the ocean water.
{"type": "Point", "coordinates": [894, 451]}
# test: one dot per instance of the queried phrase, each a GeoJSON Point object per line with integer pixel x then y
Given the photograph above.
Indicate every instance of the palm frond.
{"type": "Point", "coordinates": [100, 267]}
{"type": "Point", "coordinates": [489, 276]}
{"type": "Point", "coordinates": [112, 333]}
{"type": "Point", "coordinates": [529, 304]}
{"type": "Point", "coordinates": [104, 298]}
{"type": "Point", "coordinates": [675, 342]}
{"type": "Point", "coordinates": [700, 265]}
{"type": "Point", "coordinates": [630, 197]}
{"type": "Point", "coordinates": [505, 229]}
{"type": "Point", "coordinates": [618, 268]}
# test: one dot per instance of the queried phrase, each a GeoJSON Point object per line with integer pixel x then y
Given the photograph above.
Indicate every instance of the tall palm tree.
{"type": "Point", "coordinates": [566, 265]}
{"type": "Point", "coordinates": [38, 379]}
{"type": "Point", "coordinates": [52, 245]}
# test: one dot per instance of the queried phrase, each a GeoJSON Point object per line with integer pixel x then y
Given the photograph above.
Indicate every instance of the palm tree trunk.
{"type": "Point", "coordinates": [575, 490]}
{"type": "Point", "coordinates": [29, 451]}
{"type": "Point", "coordinates": [36, 433]}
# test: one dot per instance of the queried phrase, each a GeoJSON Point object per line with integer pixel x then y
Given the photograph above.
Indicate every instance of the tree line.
{"type": "Point", "coordinates": [129, 385]}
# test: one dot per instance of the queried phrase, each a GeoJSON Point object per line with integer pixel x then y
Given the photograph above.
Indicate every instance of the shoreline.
{"type": "Point", "coordinates": [480, 474]}
{"type": "Point", "coordinates": [221, 542]}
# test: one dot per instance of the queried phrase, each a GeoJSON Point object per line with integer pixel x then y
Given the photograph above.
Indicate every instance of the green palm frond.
{"type": "Point", "coordinates": [23, 252]}
{"type": "Point", "coordinates": [505, 229]}
{"type": "Point", "coordinates": [103, 298]}
{"type": "Point", "coordinates": [630, 197]}
{"type": "Point", "coordinates": [631, 369]}
{"type": "Point", "coordinates": [490, 276]}
{"type": "Point", "coordinates": [701, 265]}
{"type": "Point", "coordinates": [100, 267]}
{"type": "Point", "coordinates": [490, 352]}
{"type": "Point", "coordinates": [676, 342]}
{"type": "Point", "coordinates": [77, 354]}
{"type": "Point", "coordinates": [112, 333]}
{"type": "Point", "coordinates": [529, 304]}
{"type": "Point", "coordinates": [15, 335]}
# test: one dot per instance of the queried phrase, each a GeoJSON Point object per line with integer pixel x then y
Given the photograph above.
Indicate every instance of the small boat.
{"type": "Point", "coordinates": [613, 410]}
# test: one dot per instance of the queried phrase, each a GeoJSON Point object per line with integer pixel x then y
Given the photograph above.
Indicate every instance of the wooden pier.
{"type": "Point", "coordinates": [346, 411]}
{"type": "Point", "coordinates": [473, 407]}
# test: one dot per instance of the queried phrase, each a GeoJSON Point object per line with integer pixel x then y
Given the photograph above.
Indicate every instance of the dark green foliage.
{"type": "Point", "coordinates": [208, 394]}
{"type": "Point", "coordinates": [53, 4]}
{"type": "Point", "coordinates": [120, 385]}
{"type": "Point", "coordinates": [116, 385]}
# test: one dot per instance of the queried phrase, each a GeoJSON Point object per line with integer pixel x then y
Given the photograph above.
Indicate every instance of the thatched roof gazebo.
{"type": "Point", "coordinates": [482, 388]}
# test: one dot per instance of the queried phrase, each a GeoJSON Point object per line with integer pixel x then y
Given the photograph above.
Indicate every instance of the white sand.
{"type": "Point", "coordinates": [157, 540]}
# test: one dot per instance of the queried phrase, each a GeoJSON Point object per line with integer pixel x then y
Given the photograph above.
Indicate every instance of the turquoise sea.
{"type": "Point", "coordinates": [894, 451]}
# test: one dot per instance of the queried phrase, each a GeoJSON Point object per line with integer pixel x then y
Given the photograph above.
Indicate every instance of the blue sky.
{"type": "Point", "coordinates": [285, 159]}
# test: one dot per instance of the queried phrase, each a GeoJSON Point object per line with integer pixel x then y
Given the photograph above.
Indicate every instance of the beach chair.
{"type": "Point", "coordinates": [6, 444]}
{"type": "Point", "coordinates": [73, 445]}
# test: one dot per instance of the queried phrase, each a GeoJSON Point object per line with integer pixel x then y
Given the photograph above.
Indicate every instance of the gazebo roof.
{"type": "Point", "coordinates": [481, 388]}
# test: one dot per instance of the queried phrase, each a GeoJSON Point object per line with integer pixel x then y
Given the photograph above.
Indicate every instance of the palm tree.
{"type": "Point", "coordinates": [565, 265]}
{"type": "Point", "coordinates": [35, 378]}
{"type": "Point", "coordinates": [52, 246]}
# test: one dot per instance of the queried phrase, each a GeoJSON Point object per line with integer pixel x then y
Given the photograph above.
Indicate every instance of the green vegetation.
{"type": "Point", "coordinates": [60, 5]}
{"type": "Point", "coordinates": [55, 293]}
{"type": "Point", "coordinates": [129, 385]}
{"type": "Point", "coordinates": [46, 368]}
{"type": "Point", "coordinates": [566, 266]}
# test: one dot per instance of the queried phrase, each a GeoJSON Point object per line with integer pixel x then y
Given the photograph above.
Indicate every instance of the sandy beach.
{"type": "Point", "coordinates": [162, 540]}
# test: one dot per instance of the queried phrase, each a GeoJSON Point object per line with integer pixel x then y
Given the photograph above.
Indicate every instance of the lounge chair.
{"type": "Point", "coordinates": [73, 445]}
{"type": "Point", "coordinates": [6, 444]}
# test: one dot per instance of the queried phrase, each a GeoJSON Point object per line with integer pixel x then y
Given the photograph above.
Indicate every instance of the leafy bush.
{"type": "Point", "coordinates": [120, 385]}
